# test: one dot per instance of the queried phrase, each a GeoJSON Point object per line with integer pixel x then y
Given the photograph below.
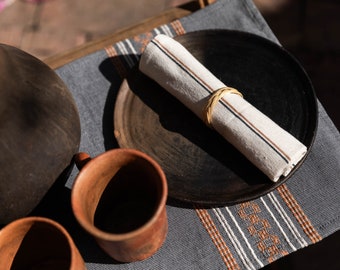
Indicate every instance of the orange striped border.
{"type": "Point", "coordinates": [112, 53]}
{"type": "Point", "coordinates": [298, 213]}
{"type": "Point", "coordinates": [217, 239]}
{"type": "Point", "coordinates": [269, 244]}
{"type": "Point", "coordinates": [178, 27]}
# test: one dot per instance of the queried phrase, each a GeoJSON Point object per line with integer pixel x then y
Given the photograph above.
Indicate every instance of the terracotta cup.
{"type": "Point", "coordinates": [119, 197]}
{"type": "Point", "coordinates": [38, 243]}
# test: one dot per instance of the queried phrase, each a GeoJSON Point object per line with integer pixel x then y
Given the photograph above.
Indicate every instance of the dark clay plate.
{"type": "Point", "coordinates": [200, 165]}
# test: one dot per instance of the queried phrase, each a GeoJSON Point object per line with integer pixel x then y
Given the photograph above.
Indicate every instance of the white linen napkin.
{"type": "Point", "coordinates": [269, 147]}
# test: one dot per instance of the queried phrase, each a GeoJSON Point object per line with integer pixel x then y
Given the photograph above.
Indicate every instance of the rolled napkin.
{"type": "Point", "coordinates": [269, 147]}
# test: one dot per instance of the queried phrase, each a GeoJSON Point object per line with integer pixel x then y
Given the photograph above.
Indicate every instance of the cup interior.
{"type": "Point", "coordinates": [34, 244]}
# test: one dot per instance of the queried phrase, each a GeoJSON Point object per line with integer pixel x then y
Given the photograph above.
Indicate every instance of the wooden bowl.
{"type": "Point", "coordinates": [39, 131]}
{"type": "Point", "coordinates": [200, 165]}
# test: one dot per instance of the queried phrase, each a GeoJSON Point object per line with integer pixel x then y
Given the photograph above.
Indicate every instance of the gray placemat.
{"type": "Point", "coordinates": [245, 236]}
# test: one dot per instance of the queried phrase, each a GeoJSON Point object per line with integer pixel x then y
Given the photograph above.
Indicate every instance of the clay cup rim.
{"type": "Point", "coordinates": [77, 197]}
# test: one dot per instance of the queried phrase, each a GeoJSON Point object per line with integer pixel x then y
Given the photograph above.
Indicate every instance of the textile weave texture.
{"type": "Point", "coordinates": [249, 235]}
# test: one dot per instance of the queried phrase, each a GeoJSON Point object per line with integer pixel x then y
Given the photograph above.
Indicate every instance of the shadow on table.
{"type": "Point", "coordinates": [56, 205]}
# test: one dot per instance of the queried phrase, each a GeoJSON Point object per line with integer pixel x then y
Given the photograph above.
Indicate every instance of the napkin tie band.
{"type": "Point", "coordinates": [215, 97]}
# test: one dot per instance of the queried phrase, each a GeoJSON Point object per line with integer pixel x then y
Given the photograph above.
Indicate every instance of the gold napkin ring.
{"type": "Point", "coordinates": [215, 97]}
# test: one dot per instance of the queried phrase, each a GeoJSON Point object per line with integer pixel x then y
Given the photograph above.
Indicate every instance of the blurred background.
{"type": "Point", "coordinates": [309, 29]}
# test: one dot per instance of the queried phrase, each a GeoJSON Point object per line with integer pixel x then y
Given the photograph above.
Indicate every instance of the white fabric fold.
{"type": "Point", "coordinates": [269, 147]}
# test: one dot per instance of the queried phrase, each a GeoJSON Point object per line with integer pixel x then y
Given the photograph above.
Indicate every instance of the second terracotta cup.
{"type": "Point", "coordinates": [38, 243]}
{"type": "Point", "coordinates": [119, 197]}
